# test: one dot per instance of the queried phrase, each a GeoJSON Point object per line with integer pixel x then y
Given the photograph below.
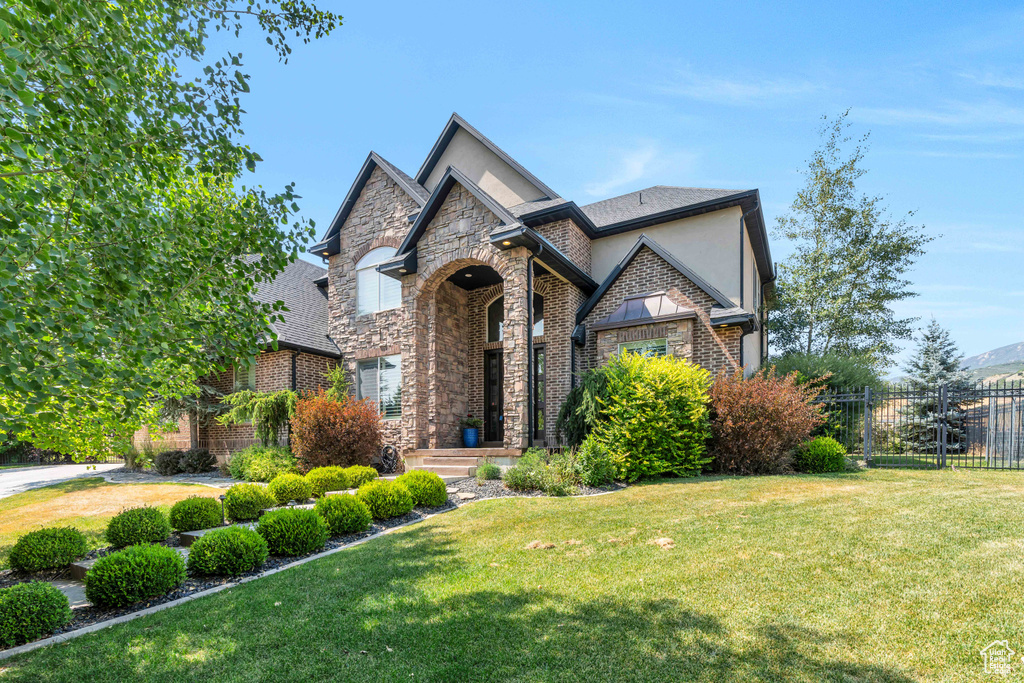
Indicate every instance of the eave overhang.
{"type": "Point", "coordinates": [544, 253]}
{"type": "Point", "coordinates": [400, 265]}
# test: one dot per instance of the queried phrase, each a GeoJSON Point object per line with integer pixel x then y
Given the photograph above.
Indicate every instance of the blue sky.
{"type": "Point", "coordinates": [598, 99]}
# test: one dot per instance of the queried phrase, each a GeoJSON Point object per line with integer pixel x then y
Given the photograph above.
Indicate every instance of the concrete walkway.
{"type": "Point", "coordinates": [18, 479]}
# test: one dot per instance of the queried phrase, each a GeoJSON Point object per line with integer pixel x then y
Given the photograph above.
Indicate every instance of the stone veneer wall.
{"type": "Point", "coordinates": [448, 365]}
{"type": "Point", "coordinates": [648, 272]}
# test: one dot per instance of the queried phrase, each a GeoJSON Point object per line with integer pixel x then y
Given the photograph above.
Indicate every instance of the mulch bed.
{"type": "Point", "coordinates": [495, 488]}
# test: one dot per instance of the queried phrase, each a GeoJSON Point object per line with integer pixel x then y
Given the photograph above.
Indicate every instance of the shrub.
{"type": "Point", "coordinates": [823, 454]}
{"type": "Point", "coordinates": [654, 417]}
{"type": "Point", "coordinates": [243, 502]}
{"type": "Point", "coordinates": [47, 549]}
{"type": "Point", "coordinates": [528, 473]}
{"type": "Point", "coordinates": [29, 611]}
{"type": "Point", "coordinates": [329, 432]}
{"type": "Point", "coordinates": [344, 514]}
{"type": "Point", "coordinates": [229, 551]}
{"type": "Point", "coordinates": [195, 512]}
{"type": "Point", "coordinates": [197, 461]}
{"type": "Point", "coordinates": [133, 574]}
{"type": "Point", "coordinates": [168, 463]}
{"type": "Point", "coordinates": [293, 531]}
{"type": "Point", "coordinates": [138, 525]}
{"type": "Point", "coordinates": [386, 499]}
{"type": "Point", "coordinates": [579, 413]}
{"type": "Point", "coordinates": [288, 487]}
{"type": "Point", "coordinates": [488, 471]}
{"type": "Point", "coordinates": [760, 420]}
{"type": "Point", "coordinates": [330, 478]}
{"type": "Point", "coordinates": [267, 411]}
{"type": "Point", "coordinates": [263, 463]}
{"type": "Point", "coordinates": [596, 466]}
{"type": "Point", "coordinates": [359, 475]}
{"type": "Point", "coordinates": [426, 488]}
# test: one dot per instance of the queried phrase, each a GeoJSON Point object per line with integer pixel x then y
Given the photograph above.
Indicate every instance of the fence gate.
{"type": "Point", "coordinates": [977, 426]}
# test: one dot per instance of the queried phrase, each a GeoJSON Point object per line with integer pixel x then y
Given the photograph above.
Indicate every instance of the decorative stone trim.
{"type": "Point", "coordinates": [376, 242]}
{"type": "Point", "coordinates": [362, 354]}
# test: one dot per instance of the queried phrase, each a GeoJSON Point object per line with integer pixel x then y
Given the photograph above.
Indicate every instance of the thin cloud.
{"type": "Point", "coordinates": [736, 92]}
{"type": "Point", "coordinates": [993, 80]}
{"type": "Point", "coordinates": [633, 166]}
{"type": "Point", "coordinates": [952, 114]}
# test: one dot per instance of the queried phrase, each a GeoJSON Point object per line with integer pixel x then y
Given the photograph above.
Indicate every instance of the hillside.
{"type": "Point", "coordinates": [1013, 353]}
{"type": "Point", "coordinates": [1012, 372]}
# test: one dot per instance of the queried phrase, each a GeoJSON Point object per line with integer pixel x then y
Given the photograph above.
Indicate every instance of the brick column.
{"type": "Point", "coordinates": [517, 361]}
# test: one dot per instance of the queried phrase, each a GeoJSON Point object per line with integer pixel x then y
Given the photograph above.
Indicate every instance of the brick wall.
{"type": "Point", "coordinates": [570, 240]}
{"type": "Point", "coordinates": [678, 335]}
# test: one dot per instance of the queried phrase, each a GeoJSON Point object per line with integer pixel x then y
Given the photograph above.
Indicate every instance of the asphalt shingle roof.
{"type": "Point", "coordinates": [305, 321]}
{"type": "Point", "coordinates": [420, 191]}
{"type": "Point", "coordinates": [650, 201]}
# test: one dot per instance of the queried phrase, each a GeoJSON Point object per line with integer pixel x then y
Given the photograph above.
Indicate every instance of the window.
{"type": "Point", "coordinates": [244, 378]}
{"type": "Point", "coordinates": [538, 315]}
{"type": "Point", "coordinates": [653, 347]}
{"type": "Point", "coordinates": [375, 291]}
{"type": "Point", "coordinates": [380, 380]}
{"type": "Point", "coordinates": [496, 320]}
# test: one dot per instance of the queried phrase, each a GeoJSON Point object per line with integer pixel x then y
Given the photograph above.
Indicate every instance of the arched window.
{"type": "Point", "coordinates": [496, 318]}
{"type": "Point", "coordinates": [374, 291]}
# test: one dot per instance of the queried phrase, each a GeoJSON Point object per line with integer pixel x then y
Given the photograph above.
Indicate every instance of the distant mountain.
{"type": "Point", "coordinates": [1014, 353]}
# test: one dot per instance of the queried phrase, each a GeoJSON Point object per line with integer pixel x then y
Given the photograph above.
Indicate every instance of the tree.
{"type": "Point", "coordinates": [123, 217]}
{"type": "Point", "coordinates": [200, 407]}
{"type": "Point", "coordinates": [835, 292]}
{"type": "Point", "coordinates": [268, 411]}
{"type": "Point", "coordinates": [937, 362]}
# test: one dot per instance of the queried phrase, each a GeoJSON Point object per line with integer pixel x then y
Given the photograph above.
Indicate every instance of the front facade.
{"type": "Point", "coordinates": [475, 289]}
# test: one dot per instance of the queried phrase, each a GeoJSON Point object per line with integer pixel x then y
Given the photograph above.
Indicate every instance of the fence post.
{"type": "Point", "coordinates": [943, 426]}
{"type": "Point", "coordinates": [867, 426]}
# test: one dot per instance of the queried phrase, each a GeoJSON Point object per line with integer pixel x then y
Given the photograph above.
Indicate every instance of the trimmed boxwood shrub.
{"type": "Point", "coordinates": [344, 514]}
{"type": "Point", "coordinates": [138, 525]}
{"type": "Point", "coordinates": [244, 502]}
{"type": "Point", "coordinates": [286, 487]}
{"type": "Point", "coordinates": [47, 549]}
{"type": "Point", "coordinates": [324, 479]}
{"type": "Point", "coordinates": [426, 488]}
{"type": "Point", "coordinates": [293, 531]}
{"type": "Point", "coordinates": [359, 475]}
{"type": "Point", "coordinates": [823, 454]}
{"type": "Point", "coordinates": [133, 574]}
{"type": "Point", "coordinates": [168, 463]}
{"type": "Point", "coordinates": [229, 551]}
{"type": "Point", "coordinates": [195, 512]}
{"type": "Point", "coordinates": [29, 611]}
{"type": "Point", "coordinates": [386, 499]}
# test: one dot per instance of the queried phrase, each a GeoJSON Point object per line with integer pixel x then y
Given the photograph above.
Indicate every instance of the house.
{"type": "Point", "coordinates": [305, 353]}
{"type": "Point", "coordinates": [475, 288]}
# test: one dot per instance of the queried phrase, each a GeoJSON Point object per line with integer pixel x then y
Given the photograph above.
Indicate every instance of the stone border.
{"type": "Point", "coordinates": [54, 640]}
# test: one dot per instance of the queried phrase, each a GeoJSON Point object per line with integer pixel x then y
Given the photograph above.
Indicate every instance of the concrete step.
{"type": "Point", "coordinates": [449, 470]}
{"type": "Point", "coordinates": [466, 452]}
{"type": "Point", "coordinates": [79, 569]}
{"type": "Point", "coordinates": [458, 461]}
{"type": "Point", "coordinates": [190, 537]}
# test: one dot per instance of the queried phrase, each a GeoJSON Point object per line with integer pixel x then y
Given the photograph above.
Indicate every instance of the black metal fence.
{"type": "Point", "coordinates": [978, 426]}
{"type": "Point", "coordinates": [20, 455]}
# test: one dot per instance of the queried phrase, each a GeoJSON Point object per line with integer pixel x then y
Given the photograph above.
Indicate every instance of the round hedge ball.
{"type": "Point", "coordinates": [138, 525]}
{"type": "Point", "coordinates": [324, 479]}
{"type": "Point", "coordinates": [229, 551]}
{"type": "Point", "coordinates": [288, 487]}
{"type": "Point", "coordinates": [821, 455]}
{"type": "Point", "coordinates": [243, 502]}
{"type": "Point", "coordinates": [293, 531]}
{"type": "Point", "coordinates": [136, 573]}
{"type": "Point", "coordinates": [195, 512]}
{"type": "Point", "coordinates": [47, 549]}
{"type": "Point", "coordinates": [386, 499]}
{"type": "Point", "coordinates": [344, 514]}
{"type": "Point", "coordinates": [426, 488]}
{"type": "Point", "coordinates": [360, 474]}
{"type": "Point", "coordinates": [29, 611]}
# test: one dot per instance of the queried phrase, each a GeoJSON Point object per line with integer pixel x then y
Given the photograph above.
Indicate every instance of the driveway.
{"type": "Point", "coordinates": [18, 479]}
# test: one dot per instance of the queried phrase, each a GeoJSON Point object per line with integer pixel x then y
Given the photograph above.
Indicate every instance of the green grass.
{"type": "Point", "coordinates": [874, 576]}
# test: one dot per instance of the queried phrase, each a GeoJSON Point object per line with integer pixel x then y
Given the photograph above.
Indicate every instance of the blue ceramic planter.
{"type": "Point", "coordinates": [470, 437]}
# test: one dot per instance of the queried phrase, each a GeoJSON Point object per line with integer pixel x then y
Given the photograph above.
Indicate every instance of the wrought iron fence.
{"type": "Point", "coordinates": [36, 456]}
{"type": "Point", "coordinates": [978, 426]}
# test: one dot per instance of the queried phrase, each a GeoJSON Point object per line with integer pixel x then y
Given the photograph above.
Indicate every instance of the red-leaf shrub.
{"type": "Point", "coordinates": [328, 432]}
{"type": "Point", "coordinates": [758, 422]}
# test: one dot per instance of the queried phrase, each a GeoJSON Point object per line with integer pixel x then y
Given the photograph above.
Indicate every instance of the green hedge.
{"type": "Point", "coordinates": [344, 514]}
{"type": "Point", "coordinates": [386, 499]}
{"type": "Point", "coordinates": [359, 475]}
{"type": "Point", "coordinates": [426, 488]}
{"type": "Point", "coordinates": [823, 454]}
{"type": "Point", "coordinates": [261, 463]}
{"type": "Point", "coordinates": [195, 512]}
{"type": "Point", "coordinates": [136, 573]}
{"type": "Point", "coordinates": [29, 611]}
{"type": "Point", "coordinates": [47, 549]}
{"type": "Point", "coordinates": [229, 551]}
{"type": "Point", "coordinates": [293, 531]}
{"type": "Point", "coordinates": [243, 502]}
{"type": "Point", "coordinates": [138, 525]}
{"type": "Point", "coordinates": [330, 478]}
{"type": "Point", "coordinates": [287, 487]}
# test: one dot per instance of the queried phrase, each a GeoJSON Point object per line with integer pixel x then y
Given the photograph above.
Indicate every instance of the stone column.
{"type": "Point", "coordinates": [517, 361]}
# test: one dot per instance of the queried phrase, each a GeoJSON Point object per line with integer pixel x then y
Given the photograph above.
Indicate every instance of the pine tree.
{"type": "Point", "coordinates": [937, 362]}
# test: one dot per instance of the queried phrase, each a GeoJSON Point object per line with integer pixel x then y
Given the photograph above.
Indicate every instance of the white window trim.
{"type": "Point", "coordinates": [362, 267]}
{"type": "Point", "coordinates": [630, 346]}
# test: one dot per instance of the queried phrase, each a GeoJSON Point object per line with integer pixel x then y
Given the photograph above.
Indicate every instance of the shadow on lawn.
{"type": "Point", "coordinates": [374, 614]}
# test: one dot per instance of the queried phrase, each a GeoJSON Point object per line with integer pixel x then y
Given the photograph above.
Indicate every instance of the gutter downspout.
{"type": "Point", "coordinates": [529, 348]}
{"type": "Point", "coordinates": [743, 245]}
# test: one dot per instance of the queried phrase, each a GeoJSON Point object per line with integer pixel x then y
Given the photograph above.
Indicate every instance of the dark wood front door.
{"type": "Point", "coordinates": [494, 397]}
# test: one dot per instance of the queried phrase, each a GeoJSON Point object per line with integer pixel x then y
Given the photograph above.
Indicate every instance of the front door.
{"type": "Point", "coordinates": [539, 394]}
{"type": "Point", "coordinates": [494, 398]}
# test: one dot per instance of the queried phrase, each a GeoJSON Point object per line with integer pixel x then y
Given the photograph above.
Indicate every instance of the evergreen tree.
{"type": "Point", "coordinates": [937, 362]}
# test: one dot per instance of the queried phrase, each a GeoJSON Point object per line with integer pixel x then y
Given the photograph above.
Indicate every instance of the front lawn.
{"type": "Point", "coordinates": [875, 576]}
{"type": "Point", "coordinates": [86, 504]}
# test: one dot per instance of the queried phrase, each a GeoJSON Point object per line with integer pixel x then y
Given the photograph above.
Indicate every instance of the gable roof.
{"type": "Point", "coordinates": [305, 322]}
{"type": "Point", "coordinates": [455, 123]}
{"type": "Point", "coordinates": [329, 244]}
{"type": "Point", "coordinates": [645, 241]}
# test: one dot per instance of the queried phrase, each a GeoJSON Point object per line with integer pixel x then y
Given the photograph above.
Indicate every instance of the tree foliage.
{"type": "Point", "coordinates": [123, 217]}
{"type": "Point", "coordinates": [835, 292]}
{"type": "Point", "coordinates": [268, 411]}
{"type": "Point", "coordinates": [935, 363]}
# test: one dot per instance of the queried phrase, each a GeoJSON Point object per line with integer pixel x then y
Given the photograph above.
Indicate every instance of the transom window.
{"type": "Point", "coordinates": [647, 347]}
{"type": "Point", "coordinates": [380, 380]}
{"type": "Point", "coordinates": [496, 318]}
{"type": "Point", "coordinates": [375, 291]}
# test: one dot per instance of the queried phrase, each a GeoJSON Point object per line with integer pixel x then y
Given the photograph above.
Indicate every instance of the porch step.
{"type": "Point", "coordinates": [449, 470]}
{"type": "Point", "coordinates": [467, 452]}
{"type": "Point", "coordinates": [458, 461]}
